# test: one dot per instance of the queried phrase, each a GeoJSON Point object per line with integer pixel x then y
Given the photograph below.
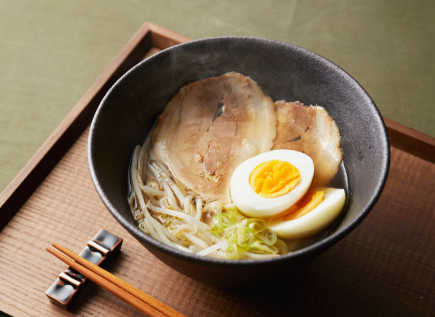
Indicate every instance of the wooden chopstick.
{"type": "Point", "coordinates": [120, 283]}
{"type": "Point", "coordinates": [142, 302]}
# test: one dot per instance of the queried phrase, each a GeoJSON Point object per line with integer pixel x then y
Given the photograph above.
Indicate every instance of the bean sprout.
{"type": "Point", "coordinates": [198, 201]}
{"type": "Point", "coordinates": [176, 217]}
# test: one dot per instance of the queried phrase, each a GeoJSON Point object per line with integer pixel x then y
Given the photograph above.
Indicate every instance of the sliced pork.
{"type": "Point", "coordinates": [312, 131]}
{"type": "Point", "coordinates": [210, 127]}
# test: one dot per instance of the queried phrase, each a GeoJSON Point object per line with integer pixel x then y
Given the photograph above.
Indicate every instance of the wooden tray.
{"type": "Point", "coordinates": [386, 267]}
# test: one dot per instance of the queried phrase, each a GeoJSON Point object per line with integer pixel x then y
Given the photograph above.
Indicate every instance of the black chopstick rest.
{"type": "Point", "coordinates": [70, 282]}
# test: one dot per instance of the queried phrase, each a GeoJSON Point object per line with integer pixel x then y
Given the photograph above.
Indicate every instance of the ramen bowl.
{"type": "Point", "coordinates": [284, 72]}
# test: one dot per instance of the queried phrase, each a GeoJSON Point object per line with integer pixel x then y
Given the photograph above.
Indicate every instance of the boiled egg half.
{"type": "Point", "coordinates": [270, 183]}
{"type": "Point", "coordinates": [314, 213]}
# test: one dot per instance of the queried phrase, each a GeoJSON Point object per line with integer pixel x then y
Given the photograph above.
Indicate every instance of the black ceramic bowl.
{"type": "Point", "coordinates": [285, 72]}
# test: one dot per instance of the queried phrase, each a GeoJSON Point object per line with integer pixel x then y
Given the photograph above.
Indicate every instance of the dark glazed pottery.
{"type": "Point", "coordinates": [285, 72]}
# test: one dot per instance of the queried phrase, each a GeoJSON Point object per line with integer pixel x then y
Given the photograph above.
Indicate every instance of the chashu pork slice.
{"type": "Point", "coordinates": [312, 131]}
{"type": "Point", "coordinates": [211, 126]}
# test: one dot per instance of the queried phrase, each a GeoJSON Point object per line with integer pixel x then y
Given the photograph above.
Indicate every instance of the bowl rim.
{"type": "Point", "coordinates": [323, 244]}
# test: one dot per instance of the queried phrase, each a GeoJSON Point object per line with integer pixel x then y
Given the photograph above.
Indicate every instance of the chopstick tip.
{"type": "Point", "coordinates": [50, 250]}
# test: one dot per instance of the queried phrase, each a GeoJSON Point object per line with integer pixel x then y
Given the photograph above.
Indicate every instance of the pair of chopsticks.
{"type": "Point", "coordinates": [137, 299]}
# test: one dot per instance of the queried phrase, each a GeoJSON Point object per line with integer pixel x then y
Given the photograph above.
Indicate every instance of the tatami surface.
{"type": "Point", "coordinates": [51, 51]}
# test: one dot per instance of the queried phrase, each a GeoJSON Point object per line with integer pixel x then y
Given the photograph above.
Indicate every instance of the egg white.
{"type": "Point", "coordinates": [316, 220]}
{"type": "Point", "coordinates": [252, 204]}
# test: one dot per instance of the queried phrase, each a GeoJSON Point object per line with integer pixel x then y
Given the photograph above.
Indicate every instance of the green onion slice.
{"type": "Point", "coordinates": [282, 247]}
{"type": "Point", "coordinates": [268, 236]}
{"type": "Point", "coordinates": [261, 247]}
{"type": "Point", "coordinates": [233, 252]}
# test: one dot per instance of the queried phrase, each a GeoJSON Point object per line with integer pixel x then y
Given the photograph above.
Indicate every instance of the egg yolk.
{"type": "Point", "coordinates": [305, 205]}
{"type": "Point", "coordinates": [274, 178]}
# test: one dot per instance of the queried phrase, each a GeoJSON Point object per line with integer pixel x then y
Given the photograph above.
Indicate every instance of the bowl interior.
{"type": "Point", "coordinates": [284, 71]}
